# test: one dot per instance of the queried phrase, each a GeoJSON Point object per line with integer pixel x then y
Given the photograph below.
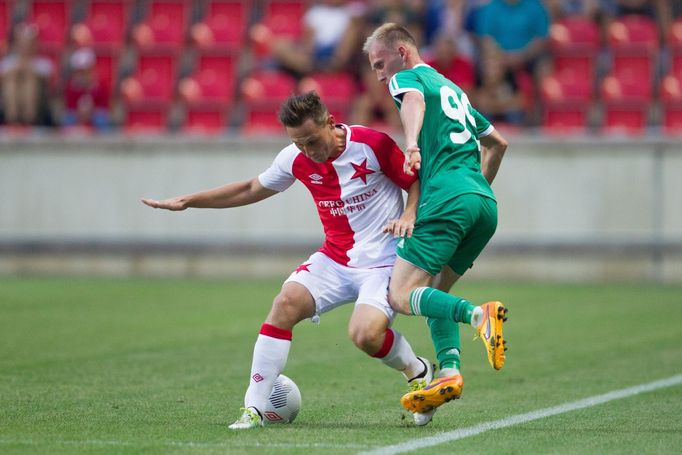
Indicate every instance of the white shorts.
{"type": "Point", "coordinates": [332, 284]}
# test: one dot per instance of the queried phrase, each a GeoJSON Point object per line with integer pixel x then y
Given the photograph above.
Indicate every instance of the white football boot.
{"type": "Point", "coordinates": [422, 418]}
{"type": "Point", "coordinates": [250, 419]}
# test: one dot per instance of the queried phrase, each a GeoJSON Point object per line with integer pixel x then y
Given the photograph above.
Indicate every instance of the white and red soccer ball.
{"type": "Point", "coordinates": [284, 402]}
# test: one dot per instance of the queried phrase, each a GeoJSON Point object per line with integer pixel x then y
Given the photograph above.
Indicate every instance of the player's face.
{"type": "Point", "coordinates": [385, 61]}
{"type": "Point", "coordinates": [317, 142]}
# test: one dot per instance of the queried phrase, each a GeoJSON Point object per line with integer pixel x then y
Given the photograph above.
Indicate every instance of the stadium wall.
{"type": "Point", "coordinates": [576, 209]}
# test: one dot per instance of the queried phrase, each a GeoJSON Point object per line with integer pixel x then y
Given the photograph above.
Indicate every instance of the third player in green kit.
{"type": "Point", "coordinates": [457, 153]}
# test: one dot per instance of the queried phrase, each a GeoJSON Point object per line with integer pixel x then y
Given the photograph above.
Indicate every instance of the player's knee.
{"type": "Point", "coordinates": [399, 299]}
{"type": "Point", "coordinates": [286, 311]}
{"type": "Point", "coordinates": [366, 338]}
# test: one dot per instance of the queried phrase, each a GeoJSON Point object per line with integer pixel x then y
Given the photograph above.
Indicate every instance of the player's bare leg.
{"type": "Point", "coordinates": [409, 294]}
{"type": "Point", "coordinates": [369, 329]}
{"type": "Point", "coordinates": [293, 304]}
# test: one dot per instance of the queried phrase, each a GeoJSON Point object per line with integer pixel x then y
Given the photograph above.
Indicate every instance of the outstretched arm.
{"type": "Point", "coordinates": [231, 195]}
{"type": "Point", "coordinates": [492, 151]}
{"type": "Point", "coordinates": [412, 116]}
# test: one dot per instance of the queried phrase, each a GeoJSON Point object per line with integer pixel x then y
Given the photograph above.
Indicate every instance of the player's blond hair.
{"type": "Point", "coordinates": [298, 108]}
{"type": "Point", "coordinates": [390, 34]}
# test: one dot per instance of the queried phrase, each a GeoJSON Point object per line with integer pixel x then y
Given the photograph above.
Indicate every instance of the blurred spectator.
{"type": "Point", "coordinates": [374, 105]}
{"type": "Point", "coordinates": [563, 8]}
{"type": "Point", "coordinates": [445, 56]}
{"type": "Point", "coordinates": [516, 31]}
{"type": "Point", "coordinates": [658, 10]}
{"type": "Point", "coordinates": [408, 13]}
{"type": "Point", "coordinates": [331, 34]}
{"type": "Point", "coordinates": [449, 17]}
{"type": "Point", "coordinates": [670, 12]}
{"type": "Point", "coordinates": [498, 97]}
{"type": "Point", "coordinates": [25, 80]}
{"type": "Point", "coordinates": [86, 98]}
{"type": "Point", "coordinates": [649, 8]}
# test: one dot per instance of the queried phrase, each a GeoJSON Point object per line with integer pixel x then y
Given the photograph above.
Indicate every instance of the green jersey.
{"type": "Point", "coordinates": [449, 138]}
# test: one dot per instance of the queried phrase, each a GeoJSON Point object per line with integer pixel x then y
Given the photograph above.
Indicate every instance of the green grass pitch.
{"type": "Point", "coordinates": [161, 366]}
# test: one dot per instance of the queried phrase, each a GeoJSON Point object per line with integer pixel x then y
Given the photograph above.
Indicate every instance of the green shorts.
{"type": "Point", "coordinates": [452, 233]}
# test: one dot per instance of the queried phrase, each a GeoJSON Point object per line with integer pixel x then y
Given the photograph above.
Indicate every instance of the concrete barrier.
{"type": "Point", "coordinates": [570, 209]}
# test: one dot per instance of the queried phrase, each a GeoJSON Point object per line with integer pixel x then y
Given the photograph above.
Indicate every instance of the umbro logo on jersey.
{"type": "Point", "coordinates": [316, 179]}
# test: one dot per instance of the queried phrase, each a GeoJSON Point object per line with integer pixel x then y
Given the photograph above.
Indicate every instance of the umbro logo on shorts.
{"type": "Point", "coordinates": [257, 377]}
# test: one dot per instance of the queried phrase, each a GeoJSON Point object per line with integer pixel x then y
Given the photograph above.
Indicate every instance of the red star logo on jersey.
{"type": "Point", "coordinates": [302, 268]}
{"type": "Point", "coordinates": [361, 171]}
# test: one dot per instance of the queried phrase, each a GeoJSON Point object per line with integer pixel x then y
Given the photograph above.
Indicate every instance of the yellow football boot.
{"type": "Point", "coordinates": [490, 331]}
{"type": "Point", "coordinates": [438, 392]}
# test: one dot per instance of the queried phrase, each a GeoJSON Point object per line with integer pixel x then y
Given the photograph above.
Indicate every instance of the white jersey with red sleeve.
{"type": "Point", "coordinates": [355, 194]}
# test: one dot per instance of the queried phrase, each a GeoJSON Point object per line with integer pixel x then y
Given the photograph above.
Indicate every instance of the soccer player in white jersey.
{"type": "Point", "coordinates": [355, 175]}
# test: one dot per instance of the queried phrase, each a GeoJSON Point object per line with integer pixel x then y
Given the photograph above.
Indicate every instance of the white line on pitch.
{"type": "Point", "coordinates": [523, 418]}
{"type": "Point", "coordinates": [180, 444]}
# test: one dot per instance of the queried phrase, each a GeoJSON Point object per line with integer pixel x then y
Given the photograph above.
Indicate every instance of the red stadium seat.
{"type": "Point", "coordinates": [633, 43]}
{"type": "Point", "coordinates": [564, 119]}
{"type": "Point", "coordinates": [336, 89]}
{"type": "Point", "coordinates": [566, 100]}
{"type": "Point", "coordinates": [263, 92]}
{"type": "Point", "coordinates": [332, 87]}
{"type": "Point", "coordinates": [574, 31]}
{"type": "Point", "coordinates": [106, 66]}
{"type": "Point", "coordinates": [212, 80]}
{"type": "Point", "coordinates": [284, 18]}
{"type": "Point", "coordinates": [206, 119]}
{"type": "Point", "coordinates": [104, 24]}
{"type": "Point", "coordinates": [675, 47]}
{"type": "Point", "coordinates": [262, 119]}
{"type": "Point", "coordinates": [633, 30]}
{"type": "Point", "coordinates": [675, 35]}
{"type": "Point", "coordinates": [566, 86]}
{"type": "Point", "coordinates": [268, 86]}
{"type": "Point", "coordinates": [281, 19]}
{"type": "Point", "coordinates": [52, 18]}
{"type": "Point", "coordinates": [574, 43]}
{"type": "Point", "coordinates": [154, 78]}
{"type": "Point", "coordinates": [5, 16]}
{"type": "Point", "coordinates": [676, 63]}
{"type": "Point", "coordinates": [141, 118]}
{"type": "Point", "coordinates": [224, 25]}
{"type": "Point", "coordinates": [671, 99]}
{"type": "Point", "coordinates": [626, 86]}
{"type": "Point", "coordinates": [164, 25]}
{"type": "Point", "coordinates": [626, 103]}
{"type": "Point", "coordinates": [625, 118]}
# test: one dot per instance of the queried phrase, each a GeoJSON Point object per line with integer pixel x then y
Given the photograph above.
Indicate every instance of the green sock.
{"type": "Point", "coordinates": [445, 336]}
{"type": "Point", "coordinates": [433, 303]}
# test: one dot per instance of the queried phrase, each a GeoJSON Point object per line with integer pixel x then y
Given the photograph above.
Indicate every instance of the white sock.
{"type": "Point", "coordinates": [476, 317]}
{"type": "Point", "coordinates": [269, 358]}
{"type": "Point", "coordinates": [400, 355]}
{"type": "Point", "coordinates": [445, 372]}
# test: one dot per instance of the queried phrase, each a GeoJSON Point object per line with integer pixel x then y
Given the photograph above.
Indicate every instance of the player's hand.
{"type": "Point", "coordinates": [413, 159]}
{"type": "Point", "coordinates": [399, 228]}
{"type": "Point", "coordinates": [175, 204]}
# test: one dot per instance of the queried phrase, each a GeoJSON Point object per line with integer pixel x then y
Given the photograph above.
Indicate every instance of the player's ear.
{"type": "Point", "coordinates": [331, 121]}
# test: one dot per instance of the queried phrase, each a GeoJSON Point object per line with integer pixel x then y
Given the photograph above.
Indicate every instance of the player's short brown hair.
{"type": "Point", "coordinates": [298, 108]}
{"type": "Point", "coordinates": [390, 34]}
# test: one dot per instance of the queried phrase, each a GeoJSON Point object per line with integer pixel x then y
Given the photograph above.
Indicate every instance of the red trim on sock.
{"type": "Point", "coordinates": [275, 332]}
{"type": "Point", "coordinates": [386, 347]}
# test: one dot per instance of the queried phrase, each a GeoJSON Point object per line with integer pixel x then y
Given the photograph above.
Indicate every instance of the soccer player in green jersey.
{"type": "Point", "coordinates": [457, 153]}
